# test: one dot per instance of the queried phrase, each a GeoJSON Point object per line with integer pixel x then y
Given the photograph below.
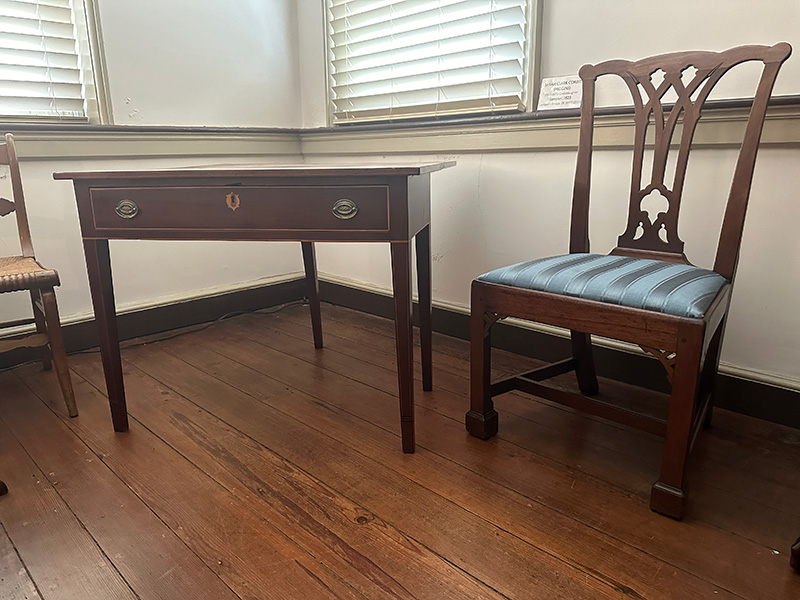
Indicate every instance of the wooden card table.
{"type": "Point", "coordinates": [305, 203]}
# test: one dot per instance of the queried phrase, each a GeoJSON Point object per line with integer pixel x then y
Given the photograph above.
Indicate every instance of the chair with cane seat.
{"type": "Point", "coordinates": [646, 291]}
{"type": "Point", "coordinates": [24, 273]}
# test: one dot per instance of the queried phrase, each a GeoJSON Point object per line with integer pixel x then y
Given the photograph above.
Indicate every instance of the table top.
{"type": "Point", "coordinates": [260, 170]}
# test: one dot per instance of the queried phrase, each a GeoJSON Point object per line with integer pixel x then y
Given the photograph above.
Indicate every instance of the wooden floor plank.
{"type": "Point", "coordinates": [15, 581]}
{"type": "Point", "coordinates": [245, 550]}
{"type": "Point", "coordinates": [571, 540]}
{"type": "Point", "coordinates": [152, 560]}
{"type": "Point", "coordinates": [502, 561]}
{"type": "Point", "coordinates": [58, 552]}
{"type": "Point", "coordinates": [613, 455]}
{"type": "Point", "coordinates": [734, 436]}
{"type": "Point", "coordinates": [258, 467]}
{"type": "Point", "coordinates": [689, 545]}
{"type": "Point", "coordinates": [363, 549]}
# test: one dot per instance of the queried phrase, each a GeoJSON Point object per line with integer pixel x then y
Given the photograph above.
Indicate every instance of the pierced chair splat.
{"type": "Point", "coordinates": [645, 291]}
{"type": "Point", "coordinates": [24, 273]}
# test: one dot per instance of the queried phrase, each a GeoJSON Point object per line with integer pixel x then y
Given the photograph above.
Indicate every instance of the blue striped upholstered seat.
{"type": "Point", "coordinates": [665, 287]}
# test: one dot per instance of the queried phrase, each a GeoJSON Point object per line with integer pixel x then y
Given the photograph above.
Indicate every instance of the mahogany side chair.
{"type": "Point", "coordinates": [24, 273]}
{"type": "Point", "coordinates": [645, 291]}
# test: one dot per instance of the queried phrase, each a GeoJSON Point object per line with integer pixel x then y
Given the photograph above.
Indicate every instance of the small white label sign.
{"type": "Point", "coordinates": [560, 92]}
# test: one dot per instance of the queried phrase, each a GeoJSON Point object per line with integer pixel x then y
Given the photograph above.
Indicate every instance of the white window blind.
{"type": "Point", "coordinates": [393, 59]}
{"type": "Point", "coordinates": [41, 70]}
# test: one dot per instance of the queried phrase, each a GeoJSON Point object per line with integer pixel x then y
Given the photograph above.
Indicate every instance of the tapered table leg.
{"type": "Point", "coordinates": [312, 284]}
{"type": "Point", "coordinates": [401, 281]}
{"type": "Point", "coordinates": [98, 266]}
{"type": "Point", "coordinates": [423, 241]}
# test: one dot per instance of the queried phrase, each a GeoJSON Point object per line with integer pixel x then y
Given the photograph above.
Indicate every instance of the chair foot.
{"type": "Point", "coordinates": [482, 425]}
{"type": "Point", "coordinates": [3, 488]}
{"type": "Point", "coordinates": [667, 500]}
{"type": "Point", "coordinates": [794, 561]}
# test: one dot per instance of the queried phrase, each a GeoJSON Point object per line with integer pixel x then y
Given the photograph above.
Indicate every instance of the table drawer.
{"type": "Point", "coordinates": [242, 208]}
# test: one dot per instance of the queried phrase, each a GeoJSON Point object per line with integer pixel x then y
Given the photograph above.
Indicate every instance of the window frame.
{"type": "Point", "coordinates": [530, 84]}
{"type": "Point", "coordinates": [91, 58]}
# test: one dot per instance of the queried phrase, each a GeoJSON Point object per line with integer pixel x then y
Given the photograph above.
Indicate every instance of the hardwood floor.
{"type": "Point", "coordinates": [259, 467]}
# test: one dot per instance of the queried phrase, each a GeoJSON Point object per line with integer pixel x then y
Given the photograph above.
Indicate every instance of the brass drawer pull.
{"type": "Point", "coordinates": [127, 209]}
{"type": "Point", "coordinates": [344, 209]}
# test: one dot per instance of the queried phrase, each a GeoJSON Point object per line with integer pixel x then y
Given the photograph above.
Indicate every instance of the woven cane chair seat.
{"type": "Point", "coordinates": [22, 273]}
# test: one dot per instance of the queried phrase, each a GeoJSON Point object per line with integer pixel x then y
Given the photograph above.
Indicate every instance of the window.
{"type": "Point", "coordinates": [45, 65]}
{"type": "Point", "coordinates": [394, 59]}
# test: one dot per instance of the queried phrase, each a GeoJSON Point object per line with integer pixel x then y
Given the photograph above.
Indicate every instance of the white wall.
{"type": "Point", "coordinates": [177, 62]}
{"type": "Point", "coordinates": [494, 209]}
{"type": "Point", "coordinates": [146, 273]}
{"type": "Point", "coordinates": [577, 32]}
{"type": "Point", "coordinates": [497, 209]}
{"type": "Point", "coordinates": [262, 63]}
{"type": "Point", "coordinates": [202, 62]}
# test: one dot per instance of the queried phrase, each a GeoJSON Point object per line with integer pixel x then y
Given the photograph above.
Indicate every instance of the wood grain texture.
{"type": "Point", "coordinates": [244, 434]}
{"type": "Point", "coordinates": [15, 581]}
{"type": "Point", "coordinates": [256, 170]}
{"type": "Point", "coordinates": [120, 523]}
{"type": "Point", "coordinates": [363, 549]}
{"type": "Point", "coordinates": [58, 552]}
{"type": "Point", "coordinates": [219, 528]}
{"type": "Point", "coordinates": [520, 474]}
{"type": "Point", "coordinates": [609, 452]}
{"type": "Point", "coordinates": [414, 509]}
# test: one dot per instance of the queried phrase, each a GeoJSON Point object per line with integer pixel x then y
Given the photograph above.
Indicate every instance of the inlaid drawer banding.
{"type": "Point", "coordinates": [256, 208]}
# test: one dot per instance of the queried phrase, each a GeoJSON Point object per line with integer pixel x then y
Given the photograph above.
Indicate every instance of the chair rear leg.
{"type": "Point", "coordinates": [41, 327]}
{"type": "Point", "coordinates": [58, 350]}
{"type": "Point", "coordinates": [710, 368]}
{"type": "Point", "coordinates": [668, 495]}
{"type": "Point", "coordinates": [582, 353]}
{"type": "Point", "coordinates": [481, 420]}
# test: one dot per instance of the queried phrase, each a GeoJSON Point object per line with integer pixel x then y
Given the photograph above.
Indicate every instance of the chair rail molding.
{"type": "Point", "coordinates": [720, 127]}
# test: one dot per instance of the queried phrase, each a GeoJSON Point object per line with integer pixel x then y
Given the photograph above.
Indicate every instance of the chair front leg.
{"type": "Point", "coordinates": [668, 495]}
{"type": "Point", "coordinates": [59, 352]}
{"type": "Point", "coordinates": [481, 420]}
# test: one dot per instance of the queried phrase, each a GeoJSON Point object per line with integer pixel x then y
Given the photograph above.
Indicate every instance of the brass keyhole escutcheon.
{"type": "Point", "coordinates": [344, 208]}
{"type": "Point", "coordinates": [232, 200]}
{"type": "Point", "coordinates": [127, 209]}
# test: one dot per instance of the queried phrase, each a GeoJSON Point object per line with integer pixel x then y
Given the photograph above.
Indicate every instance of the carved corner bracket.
{"type": "Point", "coordinates": [6, 207]}
{"type": "Point", "coordinates": [489, 319]}
{"type": "Point", "coordinates": [667, 359]}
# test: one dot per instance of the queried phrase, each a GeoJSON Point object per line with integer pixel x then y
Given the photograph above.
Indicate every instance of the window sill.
{"type": "Point", "coordinates": [722, 125]}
